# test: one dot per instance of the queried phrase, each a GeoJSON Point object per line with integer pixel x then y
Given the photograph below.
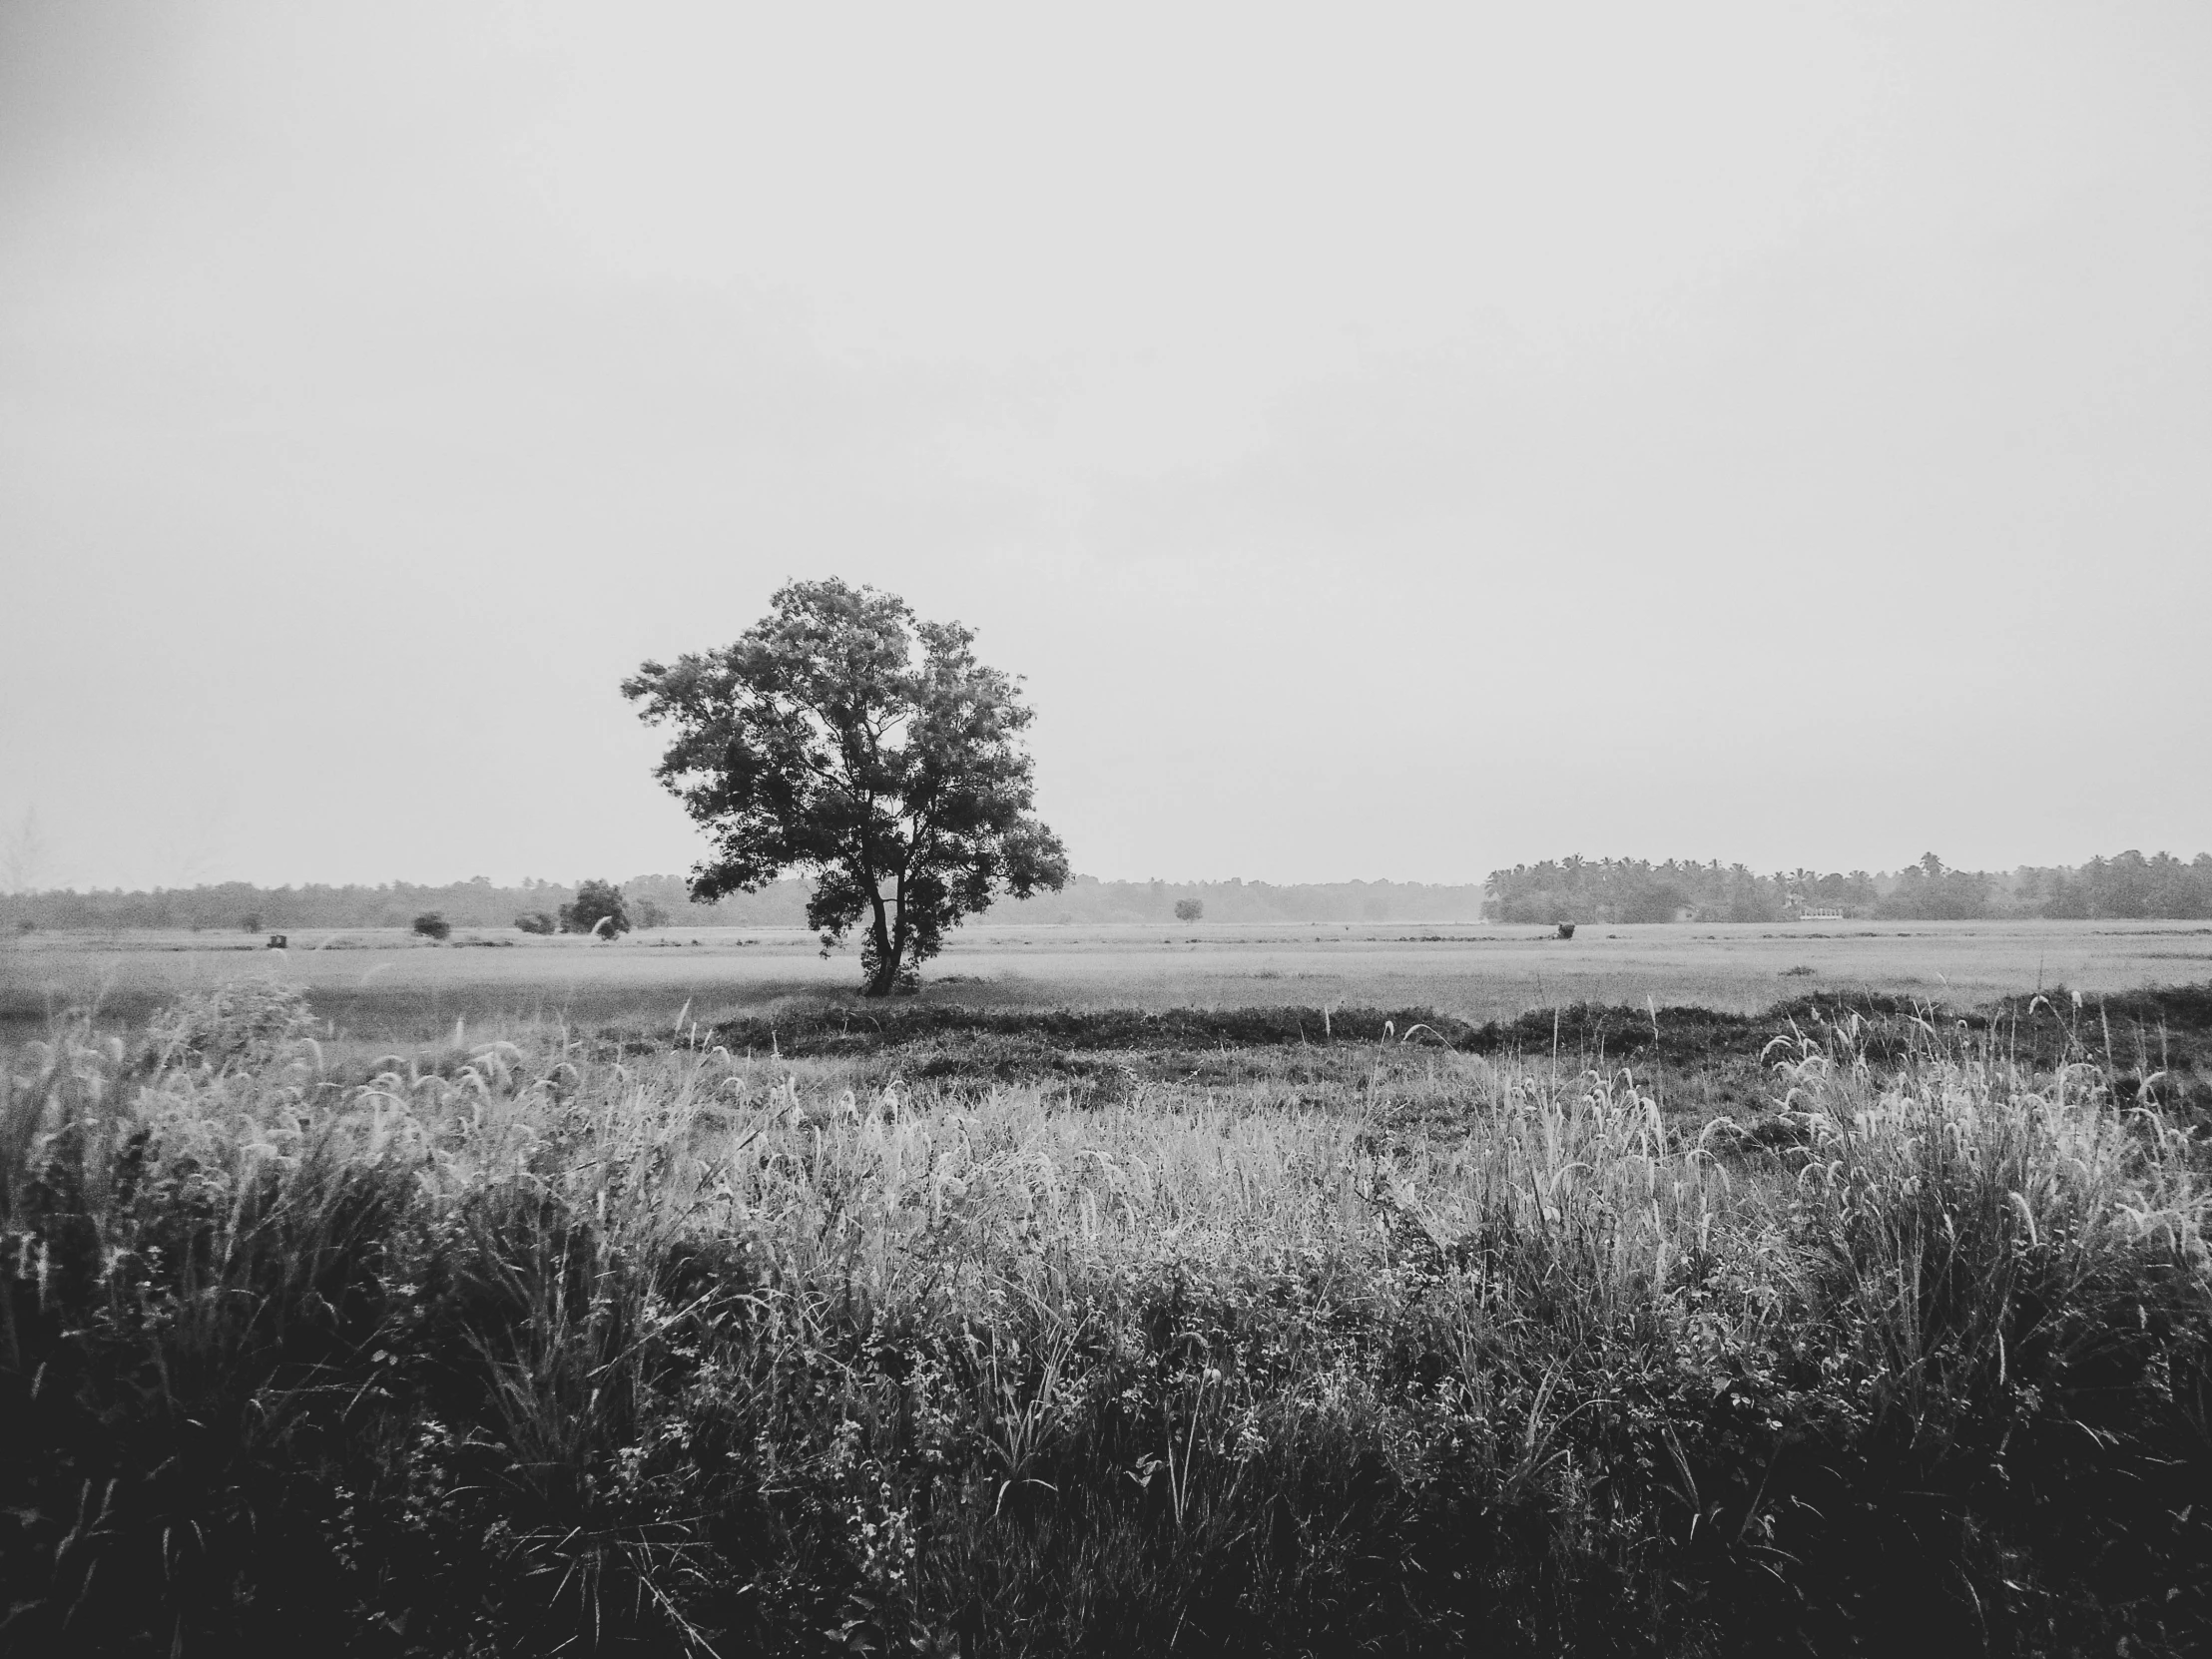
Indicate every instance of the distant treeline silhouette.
{"type": "Point", "coordinates": [474, 903]}
{"type": "Point", "coordinates": [480, 903]}
{"type": "Point", "coordinates": [2126, 884]}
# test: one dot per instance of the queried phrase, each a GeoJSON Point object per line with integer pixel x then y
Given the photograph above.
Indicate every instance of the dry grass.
{"type": "Point", "coordinates": [392, 987]}
{"type": "Point", "coordinates": [496, 1347]}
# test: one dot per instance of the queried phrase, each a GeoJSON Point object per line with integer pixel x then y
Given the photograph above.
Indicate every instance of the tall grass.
{"type": "Point", "coordinates": [503, 1350]}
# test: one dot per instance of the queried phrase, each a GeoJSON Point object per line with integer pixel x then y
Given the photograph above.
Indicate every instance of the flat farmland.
{"type": "Point", "coordinates": [390, 986]}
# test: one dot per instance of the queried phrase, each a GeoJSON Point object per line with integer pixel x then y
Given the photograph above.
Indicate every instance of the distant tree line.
{"type": "Point", "coordinates": [2128, 885]}
{"type": "Point", "coordinates": [645, 901]}
{"type": "Point", "coordinates": [480, 904]}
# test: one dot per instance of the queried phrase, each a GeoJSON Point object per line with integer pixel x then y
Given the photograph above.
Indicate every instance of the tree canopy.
{"type": "Point", "coordinates": [840, 734]}
{"type": "Point", "coordinates": [597, 908]}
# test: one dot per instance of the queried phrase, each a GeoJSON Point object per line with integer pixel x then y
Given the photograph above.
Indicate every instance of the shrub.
{"type": "Point", "coordinates": [1189, 909]}
{"type": "Point", "coordinates": [431, 925]}
{"type": "Point", "coordinates": [250, 1022]}
{"type": "Point", "coordinates": [250, 922]}
{"type": "Point", "coordinates": [538, 921]}
{"type": "Point", "coordinates": [598, 909]}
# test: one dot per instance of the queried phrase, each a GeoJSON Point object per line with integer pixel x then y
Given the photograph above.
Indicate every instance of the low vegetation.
{"type": "Point", "coordinates": [2153, 1044]}
{"type": "Point", "coordinates": [732, 1347]}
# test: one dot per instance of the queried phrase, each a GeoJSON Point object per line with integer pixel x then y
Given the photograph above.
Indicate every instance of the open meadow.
{"type": "Point", "coordinates": [390, 986]}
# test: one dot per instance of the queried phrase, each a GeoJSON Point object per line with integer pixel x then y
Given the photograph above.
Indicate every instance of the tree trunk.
{"type": "Point", "coordinates": [888, 954]}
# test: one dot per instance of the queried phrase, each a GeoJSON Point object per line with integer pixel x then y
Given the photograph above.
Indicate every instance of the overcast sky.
{"type": "Point", "coordinates": [1391, 443]}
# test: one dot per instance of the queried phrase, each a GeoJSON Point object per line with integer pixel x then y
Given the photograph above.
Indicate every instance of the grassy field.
{"type": "Point", "coordinates": [1396, 1289]}
{"type": "Point", "coordinates": [1093, 1332]}
{"type": "Point", "coordinates": [392, 986]}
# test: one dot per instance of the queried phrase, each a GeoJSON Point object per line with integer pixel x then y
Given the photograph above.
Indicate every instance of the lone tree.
{"type": "Point", "coordinates": [598, 909]}
{"type": "Point", "coordinates": [843, 736]}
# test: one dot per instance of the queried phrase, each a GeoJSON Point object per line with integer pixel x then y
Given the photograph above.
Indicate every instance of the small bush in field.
{"type": "Point", "coordinates": [598, 909]}
{"type": "Point", "coordinates": [431, 925]}
{"type": "Point", "coordinates": [538, 921]}
{"type": "Point", "coordinates": [248, 1023]}
{"type": "Point", "coordinates": [1190, 910]}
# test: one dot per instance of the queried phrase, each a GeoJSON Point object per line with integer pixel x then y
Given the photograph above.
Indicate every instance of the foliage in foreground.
{"type": "Point", "coordinates": [497, 1352]}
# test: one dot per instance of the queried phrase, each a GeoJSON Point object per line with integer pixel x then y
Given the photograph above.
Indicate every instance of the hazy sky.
{"type": "Point", "coordinates": [1390, 442]}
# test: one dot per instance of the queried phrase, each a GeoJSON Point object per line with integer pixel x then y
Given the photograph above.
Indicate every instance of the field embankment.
{"type": "Point", "coordinates": [1694, 1060]}
{"type": "Point", "coordinates": [502, 1348]}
